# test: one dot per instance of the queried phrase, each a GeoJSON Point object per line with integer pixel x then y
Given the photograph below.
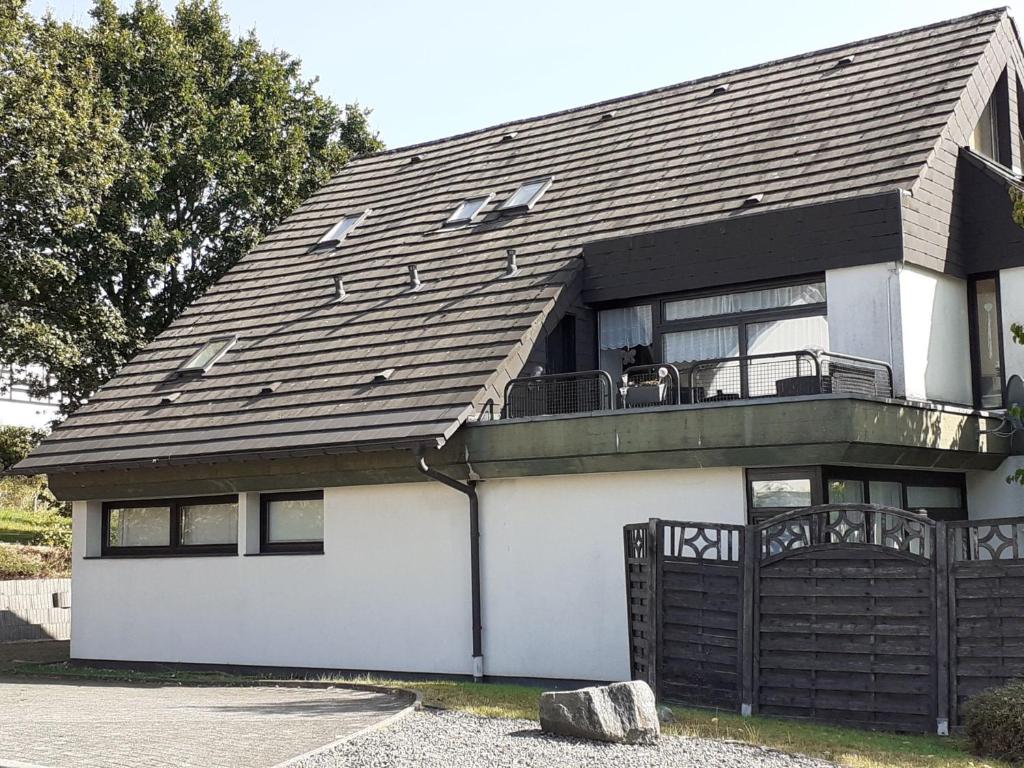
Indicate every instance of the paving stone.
{"type": "Point", "coordinates": [85, 724]}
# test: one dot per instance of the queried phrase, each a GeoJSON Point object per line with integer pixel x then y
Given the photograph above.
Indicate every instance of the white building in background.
{"type": "Point", "coordinates": [19, 408]}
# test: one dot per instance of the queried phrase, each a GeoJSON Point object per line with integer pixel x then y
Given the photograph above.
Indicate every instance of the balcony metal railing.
{"type": "Point", "coordinates": [579, 392]}
{"type": "Point", "coordinates": [788, 374]}
{"type": "Point", "coordinates": [783, 374]}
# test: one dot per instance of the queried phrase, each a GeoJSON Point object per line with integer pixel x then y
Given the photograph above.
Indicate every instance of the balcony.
{"type": "Point", "coordinates": [801, 373]}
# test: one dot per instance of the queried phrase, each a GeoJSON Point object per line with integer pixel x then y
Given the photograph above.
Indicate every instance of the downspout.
{"type": "Point", "coordinates": [468, 488]}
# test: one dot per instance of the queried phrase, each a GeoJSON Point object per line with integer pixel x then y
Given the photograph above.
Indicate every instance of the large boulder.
{"type": "Point", "coordinates": [620, 712]}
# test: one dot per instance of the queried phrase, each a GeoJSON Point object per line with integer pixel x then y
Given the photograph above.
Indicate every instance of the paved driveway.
{"type": "Point", "coordinates": [66, 724]}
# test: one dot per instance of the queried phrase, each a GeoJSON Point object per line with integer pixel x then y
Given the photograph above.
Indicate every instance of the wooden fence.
{"type": "Point", "coordinates": [863, 615]}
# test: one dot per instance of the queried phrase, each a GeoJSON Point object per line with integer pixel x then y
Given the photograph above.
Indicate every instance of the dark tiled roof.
{"type": "Point", "coordinates": [799, 131]}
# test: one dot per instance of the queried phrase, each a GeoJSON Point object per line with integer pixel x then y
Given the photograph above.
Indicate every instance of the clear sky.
{"type": "Point", "coordinates": [434, 68]}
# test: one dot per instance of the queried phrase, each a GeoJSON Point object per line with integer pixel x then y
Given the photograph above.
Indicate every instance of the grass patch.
{"type": "Point", "coordinates": [25, 526]}
{"type": "Point", "coordinates": [847, 746]}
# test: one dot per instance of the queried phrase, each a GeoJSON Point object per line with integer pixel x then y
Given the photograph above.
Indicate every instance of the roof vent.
{"type": "Point", "coordinates": [754, 199]}
{"type": "Point", "coordinates": [609, 114]}
{"type": "Point", "coordinates": [510, 135]}
{"type": "Point", "coordinates": [339, 288]}
{"type": "Point", "coordinates": [414, 278]}
{"type": "Point", "coordinates": [511, 265]}
{"type": "Point", "coordinates": [271, 388]}
{"type": "Point", "coordinates": [848, 59]}
{"type": "Point", "coordinates": [722, 88]}
{"type": "Point", "coordinates": [384, 375]}
{"type": "Point", "coordinates": [169, 398]}
{"type": "Point", "coordinates": [416, 159]}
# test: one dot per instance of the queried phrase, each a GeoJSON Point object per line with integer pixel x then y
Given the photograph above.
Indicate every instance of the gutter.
{"type": "Point", "coordinates": [468, 488]}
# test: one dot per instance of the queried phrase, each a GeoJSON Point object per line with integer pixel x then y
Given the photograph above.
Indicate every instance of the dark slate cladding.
{"type": "Point", "coordinates": [989, 236]}
{"type": "Point", "coordinates": [786, 243]}
{"type": "Point", "coordinates": [801, 131]}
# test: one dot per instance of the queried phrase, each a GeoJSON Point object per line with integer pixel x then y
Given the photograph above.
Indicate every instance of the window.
{"type": "Point", "coordinates": [342, 229]}
{"type": "Point", "coordinates": [626, 336]}
{"type": "Point", "coordinates": [986, 341]}
{"type": "Point", "coordinates": [292, 522]}
{"type": "Point", "coordinates": [210, 353]}
{"type": "Point", "coordinates": [771, 492]}
{"type": "Point", "coordinates": [940, 495]}
{"type": "Point", "coordinates": [205, 525]}
{"type": "Point", "coordinates": [524, 198]}
{"type": "Point", "coordinates": [764, 321]}
{"type": "Point", "coordinates": [984, 139]}
{"type": "Point", "coordinates": [468, 209]}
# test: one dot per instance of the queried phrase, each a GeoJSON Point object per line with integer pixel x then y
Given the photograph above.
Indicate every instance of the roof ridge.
{"type": "Point", "coordinates": [998, 11]}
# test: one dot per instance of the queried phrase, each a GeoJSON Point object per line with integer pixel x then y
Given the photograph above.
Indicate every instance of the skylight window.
{"type": "Point", "coordinates": [468, 209]}
{"type": "Point", "coordinates": [212, 351]}
{"type": "Point", "coordinates": [529, 192]}
{"type": "Point", "coordinates": [342, 229]}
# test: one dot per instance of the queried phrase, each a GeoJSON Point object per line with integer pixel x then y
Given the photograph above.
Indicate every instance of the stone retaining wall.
{"type": "Point", "coordinates": [35, 609]}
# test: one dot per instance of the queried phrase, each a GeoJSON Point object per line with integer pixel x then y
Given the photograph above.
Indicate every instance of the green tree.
{"type": "Point", "coordinates": [140, 157]}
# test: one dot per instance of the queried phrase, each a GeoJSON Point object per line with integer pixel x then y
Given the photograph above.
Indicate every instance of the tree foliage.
{"type": "Point", "coordinates": [140, 157]}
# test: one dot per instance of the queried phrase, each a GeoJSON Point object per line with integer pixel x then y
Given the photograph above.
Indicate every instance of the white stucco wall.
{"type": "Point", "coordinates": [392, 590]}
{"type": "Point", "coordinates": [864, 314]}
{"type": "Point", "coordinates": [936, 342]}
{"type": "Point", "coordinates": [989, 495]}
{"type": "Point", "coordinates": [552, 563]}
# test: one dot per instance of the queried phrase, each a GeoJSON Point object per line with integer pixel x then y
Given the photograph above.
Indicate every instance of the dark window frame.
{"type": "Point", "coordinates": [975, 341]}
{"type": "Point", "coordinates": [660, 326]}
{"type": "Point", "coordinates": [821, 476]}
{"type": "Point", "coordinates": [174, 548]}
{"type": "Point", "coordinates": [760, 514]}
{"type": "Point", "coordinates": [287, 547]}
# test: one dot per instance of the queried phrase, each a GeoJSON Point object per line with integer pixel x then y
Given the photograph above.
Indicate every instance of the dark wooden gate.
{"type": "Point", "coordinates": [986, 587]}
{"type": "Point", "coordinates": [845, 621]}
{"type": "Point", "coordinates": [857, 614]}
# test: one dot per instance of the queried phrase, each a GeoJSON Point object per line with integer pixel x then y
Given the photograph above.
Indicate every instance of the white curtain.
{"type": "Point", "coordinates": [702, 344]}
{"type": "Point", "coordinates": [749, 301]}
{"type": "Point", "coordinates": [787, 335]}
{"type": "Point", "coordinates": [626, 327]}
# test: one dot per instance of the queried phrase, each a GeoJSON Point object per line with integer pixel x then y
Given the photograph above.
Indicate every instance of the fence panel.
{"type": "Point", "coordinates": [987, 610]}
{"type": "Point", "coordinates": [701, 586]}
{"type": "Point", "coordinates": [640, 597]}
{"type": "Point", "coordinates": [848, 613]}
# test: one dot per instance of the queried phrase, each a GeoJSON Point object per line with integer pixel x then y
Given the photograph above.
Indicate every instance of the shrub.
{"type": "Point", "coordinates": [15, 444]}
{"type": "Point", "coordinates": [19, 563]}
{"type": "Point", "coordinates": [995, 722]}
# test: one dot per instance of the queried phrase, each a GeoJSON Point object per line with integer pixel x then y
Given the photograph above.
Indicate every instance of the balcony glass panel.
{"type": "Point", "coordinates": [748, 301]}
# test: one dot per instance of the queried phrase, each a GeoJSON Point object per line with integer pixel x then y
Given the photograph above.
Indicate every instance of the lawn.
{"type": "Point", "coordinates": [24, 526]}
{"type": "Point", "coordinates": [847, 746]}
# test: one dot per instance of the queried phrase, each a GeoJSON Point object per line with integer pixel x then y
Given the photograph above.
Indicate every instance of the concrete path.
{"type": "Point", "coordinates": [67, 724]}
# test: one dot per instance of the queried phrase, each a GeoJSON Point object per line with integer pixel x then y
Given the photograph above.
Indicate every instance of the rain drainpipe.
{"type": "Point", "coordinates": [468, 488]}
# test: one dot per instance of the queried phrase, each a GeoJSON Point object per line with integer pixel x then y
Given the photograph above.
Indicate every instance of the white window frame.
{"type": "Point", "coordinates": [545, 183]}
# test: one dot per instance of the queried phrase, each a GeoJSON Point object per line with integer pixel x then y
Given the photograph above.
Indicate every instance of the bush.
{"type": "Point", "coordinates": [18, 561]}
{"type": "Point", "coordinates": [995, 722]}
{"type": "Point", "coordinates": [15, 444]}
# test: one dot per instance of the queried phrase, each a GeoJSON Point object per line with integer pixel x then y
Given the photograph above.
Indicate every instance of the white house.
{"type": "Point", "coordinates": [19, 407]}
{"type": "Point", "coordinates": [403, 434]}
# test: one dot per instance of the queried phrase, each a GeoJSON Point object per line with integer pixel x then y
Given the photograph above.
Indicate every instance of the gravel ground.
{"type": "Point", "coordinates": [431, 739]}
